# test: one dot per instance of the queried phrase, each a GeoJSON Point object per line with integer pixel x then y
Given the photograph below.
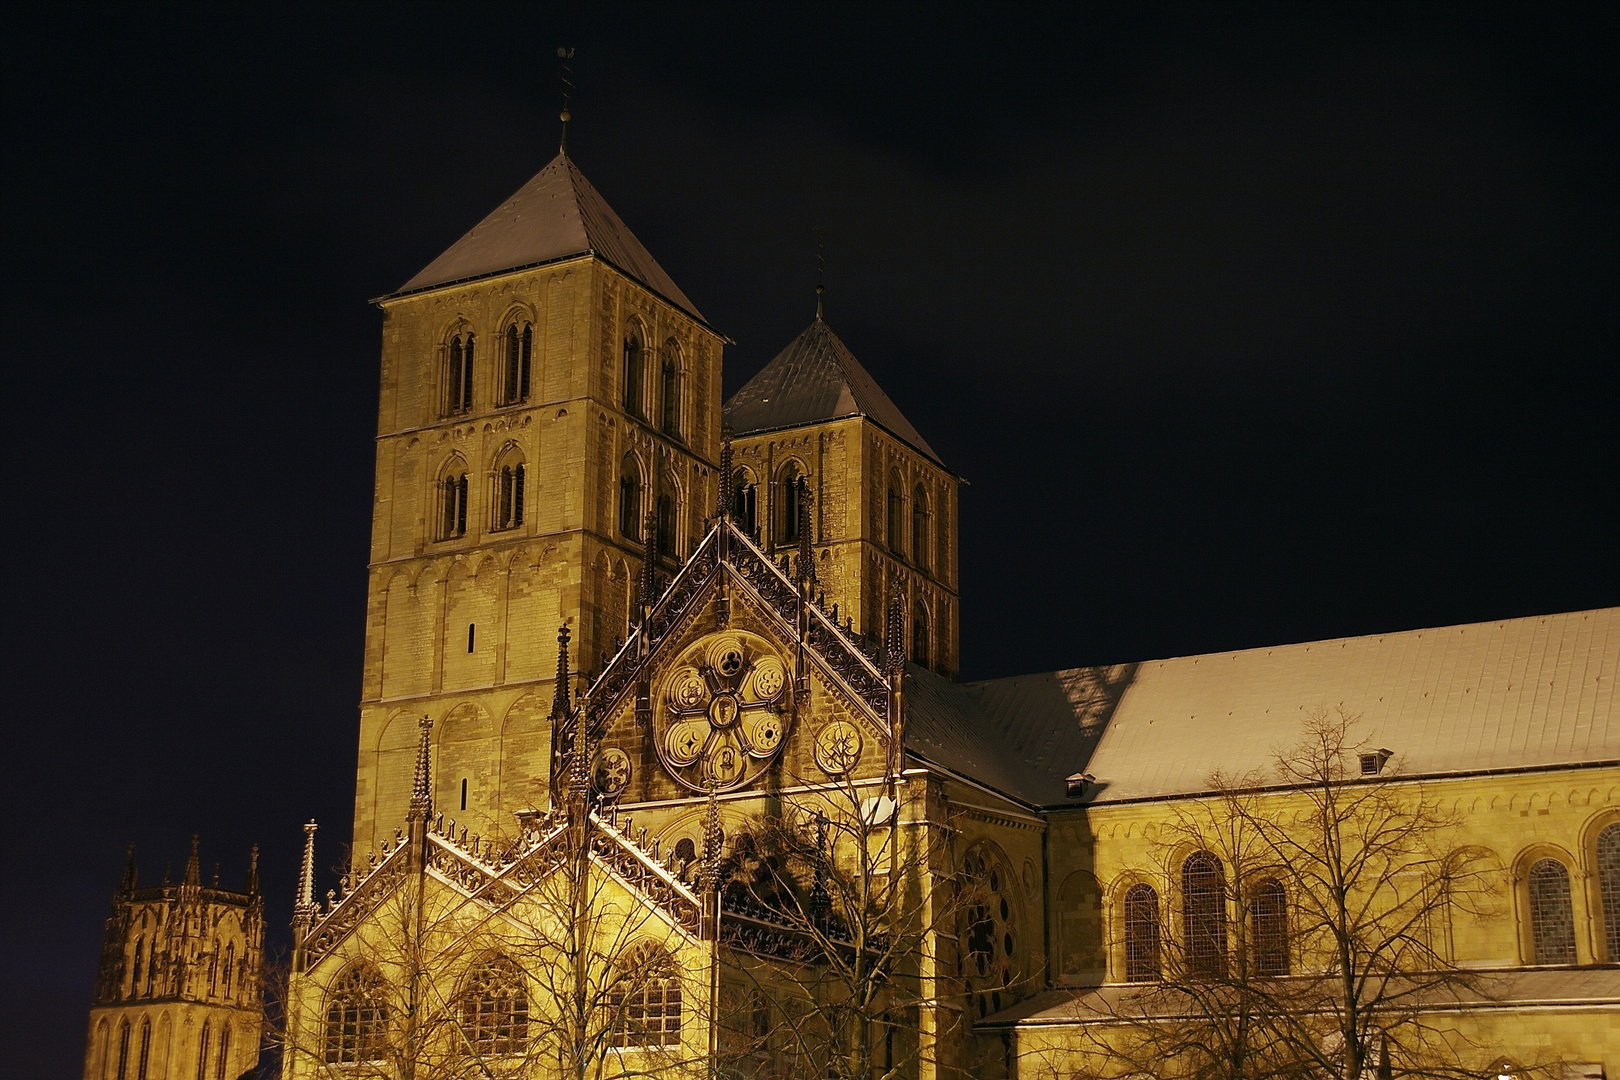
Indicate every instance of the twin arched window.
{"type": "Point", "coordinates": [458, 374]}
{"type": "Point", "coordinates": [515, 371]}
{"type": "Point", "coordinates": [356, 1018]}
{"type": "Point", "coordinates": [792, 502]}
{"type": "Point", "coordinates": [509, 480]}
{"type": "Point", "coordinates": [453, 503]}
{"type": "Point", "coordinates": [743, 503]}
{"type": "Point", "coordinates": [495, 1009]}
{"type": "Point", "coordinates": [646, 998]}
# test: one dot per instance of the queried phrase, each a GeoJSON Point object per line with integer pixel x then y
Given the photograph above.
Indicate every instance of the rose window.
{"type": "Point", "coordinates": [722, 711]}
{"type": "Point", "coordinates": [990, 933]}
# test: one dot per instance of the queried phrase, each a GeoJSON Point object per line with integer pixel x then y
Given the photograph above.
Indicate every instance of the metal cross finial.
{"type": "Point", "coordinates": [821, 268]}
{"type": "Point", "coordinates": [565, 76]}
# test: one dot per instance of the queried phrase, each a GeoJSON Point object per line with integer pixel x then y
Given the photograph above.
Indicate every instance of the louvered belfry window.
{"type": "Point", "coordinates": [1608, 868]}
{"type": "Point", "coordinates": [509, 509]}
{"type": "Point", "coordinates": [1141, 934]}
{"type": "Point", "coordinates": [1552, 918]}
{"type": "Point", "coordinates": [459, 374]}
{"type": "Point", "coordinates": [1203, 891]}
{"type": "Point", "coordinates": [515, 372]}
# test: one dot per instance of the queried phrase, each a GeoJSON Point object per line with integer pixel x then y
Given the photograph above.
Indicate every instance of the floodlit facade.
{"type": "Point", "coordinates": [663, 767]}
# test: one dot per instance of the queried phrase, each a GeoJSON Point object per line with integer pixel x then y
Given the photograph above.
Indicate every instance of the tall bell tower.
{"type": "Point", "coordinates": [548, 396]}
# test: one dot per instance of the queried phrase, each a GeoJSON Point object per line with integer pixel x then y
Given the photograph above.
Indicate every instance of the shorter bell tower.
{"type": "Point", "coordinates": [180, 989]}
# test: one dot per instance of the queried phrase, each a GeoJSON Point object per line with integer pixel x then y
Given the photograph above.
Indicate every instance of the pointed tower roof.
{"type": "Point", "coordinates": [815, 379]}
{"type": "Point", "coordinates": [556, 215]}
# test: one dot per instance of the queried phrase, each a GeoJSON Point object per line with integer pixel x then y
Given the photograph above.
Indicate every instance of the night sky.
{"type": "Point", "coordinates": [1246, 325]}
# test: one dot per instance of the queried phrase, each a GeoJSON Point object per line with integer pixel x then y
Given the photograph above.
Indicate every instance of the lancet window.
{"type": "Point", "coordinates": [646, 999]}
{"type": "Point", "coordinates": [919, 636]}
{"type": "Point", "coordinates": [633, 374]}
{"type": "Point", "coordinates": [788, 525]}
{"type": "Point", "coordinates": [666, 525]}
{"type": "Point", "coordinates": [669, 385]}
{"type": "Point", "coordinates": [123, 1051]}
{"type": "Point", "coordinates": [630, 498]}
{"type": "Point", "coordinates": [495, 1009]}
{"type": "Point", "coordinates": [919, 526]}
{"type": "Point", "coordinates": [202, 1051]}
{"type": "Point", "coordinates": [743, 502]}
{"type": "Point", "coordinates": [145, 1057]}
{"type": "Point", "coordinates": [356, 1018]}
{"type": "Point", "coordinates": [458, 374]}
{"type": "Point", "coordinates": [1269, 914]}
{"type": "Point", "coordinates": [515, 369]}
{"type": "Point", "coordinates": [223, 1061]}
{"type": "Point", "coordinates": [1552, 917]}
{"type": "Point", "coordinates": [1203, 897]}
{"type": "Point", "coordinates": [896, 524]}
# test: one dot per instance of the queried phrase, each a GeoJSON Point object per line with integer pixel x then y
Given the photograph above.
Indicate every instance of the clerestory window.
{"type": "Point", "coordinates": [1552, 917]}
{"type": "Point", "coordinates": [1141, 934]}
{"type": "Point", "coordinates": [1203, 893]}
{"type": "Point", "coordinates": [1269, 914]}
{"type": "Point", "coordinates": [669, 389]}
{"type": "Point", "coordinates": [1608, 868]}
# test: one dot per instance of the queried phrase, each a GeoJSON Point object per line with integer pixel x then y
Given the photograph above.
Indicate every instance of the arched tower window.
{"type": "Point", "coordinates": [1141, 934]}
{"type": "Point", "coordinates": [453, 502]}
{"type": "Point", "coordinates": [458, 373]}
{"type": "Point", "coordinates": [135, 968]}
{"type": "Point", "coordinates": [633, 375]}
{"type": "Point", "coordinates": [123, 1052]}
{"type": "Point", "coordinates": [897, 525]}
{"type": "Point", "coordinates": [919, 526]}
{"type": "Point", "coordinates": [788, 484]}
{"type": "Point", "coordinates": [646, 998]}
{"type": "Point", "coordinates": [630, 498]}
{"type": "Point", "coordinates": [356, 1018]}
{"type": "Point", "coordinates": [509, 489]}
{"type": "Point", "coordinates": [1608, 868]}
{"type": "Point", "coordinates": [224, 1060]}
{"type": "Point", "coordinates": [744, 503]}
{"type": "Point", "coordinates": [495, 1009]}
{"type": "Point", "coordinates": [1270, 917]}
{"type": "Point", "coordinates": [230, 964]}
{"type": "Point", "coordinates": [666, 525]}
{"type": "Point", "coordinates": [515, 370]}
{"type": "Point", "coordinates": [1552, 918]}
{"type": "Point", "coordinates": [202, 1051]}
{"type": "Point", "coordinates": [669, 387]}
{"type": "Point", "coordinates": [1203, 898]}
{"type": "Point", "coordinates": [919, 636]}
{"type": "Point", "coordinates": [145, 1057]}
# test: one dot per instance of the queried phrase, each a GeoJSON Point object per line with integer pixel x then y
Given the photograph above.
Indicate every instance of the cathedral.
{"type": "Point", "coordinates": [665, 767]}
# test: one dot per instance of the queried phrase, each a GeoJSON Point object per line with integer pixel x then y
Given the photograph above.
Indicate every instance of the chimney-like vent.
{"type": "Point", "coordinates": [1080, 785]}
{"type": "Point", "coordinates": [1372, 764]}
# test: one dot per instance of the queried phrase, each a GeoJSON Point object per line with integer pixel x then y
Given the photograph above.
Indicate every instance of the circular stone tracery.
{"type": "Point", "coordinates": [722, 711]}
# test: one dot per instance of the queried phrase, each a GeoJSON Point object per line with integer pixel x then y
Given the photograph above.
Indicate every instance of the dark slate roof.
{"type": "Point", "coordinates": [816, 378]}
{"type": "Point", "coordinates": [556, 215]}
{"type": "Point", "coordinates": [1022, 736]}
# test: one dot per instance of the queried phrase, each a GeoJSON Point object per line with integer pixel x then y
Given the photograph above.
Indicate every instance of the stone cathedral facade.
{"type": "Point", "coordinates": [662, 750]}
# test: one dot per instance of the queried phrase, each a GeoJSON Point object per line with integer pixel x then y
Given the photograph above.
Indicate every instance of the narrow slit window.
{"type": "Point", "coordinates": [472, 631]}
{"type": "Point", "coordinates": [464, 793]}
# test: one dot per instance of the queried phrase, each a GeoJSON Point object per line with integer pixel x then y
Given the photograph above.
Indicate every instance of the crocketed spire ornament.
{"type": "Point", "coordinates": [712, 838]}
{"type": "Point", "coordinates": [649, 562]}
{"type": "Point", "coordinates": [722, 507]}
{"type": "Point", "coordinates": [421, 786]}
{"type": "Point", "coordinates": [804, 572]}
{"type": "Point", "coordinates": [193, 874]}
{"type": "Point", "coordinates": [559, 693]}
{"type": "Point", "coordinates": [895, 632]}
{"type": "Point", "coordinates": [304, 907]}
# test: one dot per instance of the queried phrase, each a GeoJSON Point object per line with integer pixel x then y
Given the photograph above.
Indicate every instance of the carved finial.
{"type": "Point", "coordinates": [192, 875]}
{"type": "Point", "coordinates": [253, 870]}
{"type": "Point", "coordinates": [559, 693]}
{"type": "Point", "coordinates": [129, 870]}
{"type": "Point", "coordinates": [723, 507]}
{"type": "Point", "coordinates": [896, 630]}
{"type": "Point", "coordinates": [712, 838]}
{"type": "Point", "coordinates": [649, 561]}
{"type": "Point", "coordinates": [304, 906]}
{"type": "Point", "coordinates": [805, 571]}
{"type": "Point", "coordinates": [422, 785]}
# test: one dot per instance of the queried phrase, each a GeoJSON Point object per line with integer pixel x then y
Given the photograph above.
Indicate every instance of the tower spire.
{"type": "Point", "coordinates": [565, 77]}
{"type": "Point", "coordinates": [305, 904]}
{"type": "Point", "coordinates": [559, 693]}
{"type": "Point", "coordinates": [821, 269]}
{"type": "Point", "coordinates": [723, 509]}
{"type": "Point", "coordinates": [193, 874]}
{"type": "Point", "coordinates": [129, 869]}
{"type": "Point", "coordinates": [895, 631]}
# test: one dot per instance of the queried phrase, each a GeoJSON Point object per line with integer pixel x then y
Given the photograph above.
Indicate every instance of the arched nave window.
{"type": "Point", "coordinates": [1203, 899]}
{"type": "Point", "coordinates": [458, 374]}
{"type": "Point", "coordinates": [666, 519]}
{"type": "Point", "coordinates": [1269, 913]}
{"type": "Point", "coordinates": [495, 1009]}
{"type": "Point", "coordinates": [356, 1018]}
{"type": "Point", "coordinates": [145, 1058]}
{"type": "Point", "coordinates": [123, 1052]}
{"type": "Point", "coordinates": [646, 998]}
{"type": "Point", "coordinates": [1608, 869]}
{"type": "Point", "coordinates": [1552, 916]}
{"type": "Point", "coordinates": [1141, 934]}
{"type": "Point", "coordinates": [515, 371]}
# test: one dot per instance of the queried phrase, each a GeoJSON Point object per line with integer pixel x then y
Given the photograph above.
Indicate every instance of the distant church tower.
{"type": "Point", "coordinates": [882, 507]}
{"type": "Point", "coordinates": [548, 396]}
{"type": "Point", "coordinates": [179, 991]}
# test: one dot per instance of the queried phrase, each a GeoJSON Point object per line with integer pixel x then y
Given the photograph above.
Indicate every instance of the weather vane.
{"type": "Point", "coordinates": [565, 76]}
{"type": "Point", "coordinates": [821, 268]}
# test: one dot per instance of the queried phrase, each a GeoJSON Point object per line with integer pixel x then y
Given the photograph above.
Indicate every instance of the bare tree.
{"type": "Point", "coordinates": [1315, 906]}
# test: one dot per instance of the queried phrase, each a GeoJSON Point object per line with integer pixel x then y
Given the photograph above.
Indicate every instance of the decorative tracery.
{"type": "Point", "coordinates": [495, 1009]}
{"type": "Point", "coordinates": [646, 998]}
{"type": "Point", "coordinates": [356, 1018]}
{"type": "Point", "coordinates": [723, 711]}
{"type": "Point", "coordinates": [990, 932]}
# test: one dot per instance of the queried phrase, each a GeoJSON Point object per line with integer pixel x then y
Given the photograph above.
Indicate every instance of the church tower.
{"type": "Point", "coordinates": [179, 992]}
{"type": "Point", "coordinates": [882, 504]}
{"type": "Point", "coordinates": [548, 395]}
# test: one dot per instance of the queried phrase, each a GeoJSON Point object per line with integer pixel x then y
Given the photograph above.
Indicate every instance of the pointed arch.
{"type": "Point", "coordinates": [632, 371]}
{"type": "Point", "coordinates": [630, 488]}
{"type": "Point", "coordinates": [494, 1006]}
{"type": "Point", "coordinates": [203, 1045]}
{"type": "Point", "coordinates": [920, 623]}
{"type": "Point", "coordinates": [896, 514]}
{"type": "Point", "coordinates": [919, 525]}
{"type": "Point", "coordinates": [667, 515]}
{"type": "Point", "coordinates": [669, 388]}
{"type": "Point", "coordinates": [357, 1015]}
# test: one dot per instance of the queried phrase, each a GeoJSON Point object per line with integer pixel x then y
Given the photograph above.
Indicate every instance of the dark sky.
{"type": "Point", "coordinates": [1247, 324]}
